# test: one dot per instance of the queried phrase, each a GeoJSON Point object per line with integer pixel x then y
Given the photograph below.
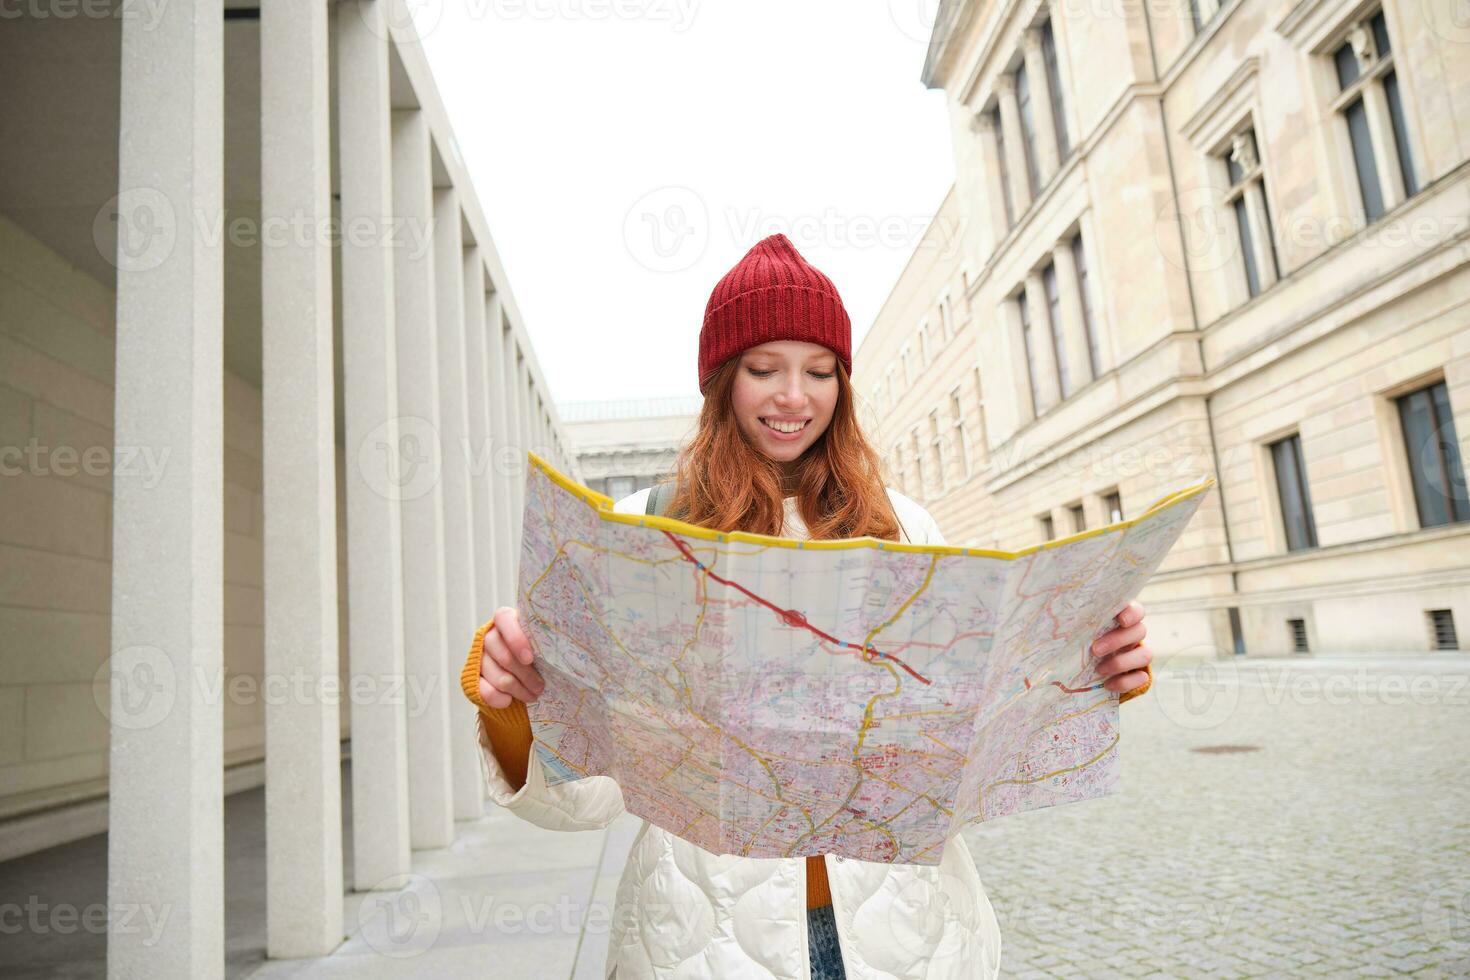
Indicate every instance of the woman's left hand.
{"type": "Point", "coordinates": [1121, 654]}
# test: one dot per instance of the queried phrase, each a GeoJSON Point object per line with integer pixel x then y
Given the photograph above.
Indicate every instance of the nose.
{"type": "Point", "coordinates": [791, 396]}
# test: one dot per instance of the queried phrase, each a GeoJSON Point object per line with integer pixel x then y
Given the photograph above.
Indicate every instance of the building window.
{"type": "Point", "coordinates": [1079, 517]}
{"type": "Point", "coordinates": [1113, 506]}
{"type": "Point", "coordinates": [1054, 318]}
{"type": "Point", "coordinates": [1002, 166]}
{"type": "Point", "coordinates": [946, 317]}
{"type": "Point", "coordinates": [1296, 630]}
{"type": "Point", "coordinates": [1246, 198]}
{"type": "Point", "coordinates": [1291, 490]}
{"type": "Point", "coordinates": [1028, 129]}
{"type": "Point", "coordinates": [926, 356]}
{"type": "Point", "coordinates": [1084, 290]}
{"type": "Point", "coordinates": [1048, 529]}
{"type": "Point", "coordinates": [959, 430]}
{"type": "Point", "coordinates": [1053, 76]}
{"type": "Point", "coordinates": [1030, 344]}
{"type": "Point", "coordinates": [908, 370]}
{"type": "Point", "coordinates": [1201, 12]}
{"type": "Point", "coordinates": [1237, 635]}
{"type": "Point", "coordinates": [892, 387]}
{"type": "Point", "coordinates": [936, 449]}
{"type": "Point", "coordinates": [1442, 634]}
{"type": "Point", "coordinates": [1433, 453]}
{"type": "Point", "coordinates": [921, 485]}
{"type": "Point", "coordinates": [619, 487]}
{"type": "Point", "coordinates": [979, 430]}
{"type": "Point", "coordinates": [1373, 113]}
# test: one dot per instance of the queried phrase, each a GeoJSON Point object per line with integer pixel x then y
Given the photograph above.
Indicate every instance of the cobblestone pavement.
{"type": "Point", "coordinates": [1339, 847]}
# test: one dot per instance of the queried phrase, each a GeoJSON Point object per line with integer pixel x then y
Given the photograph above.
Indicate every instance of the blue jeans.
{"type": "Point", "coordinates": [826, 955]}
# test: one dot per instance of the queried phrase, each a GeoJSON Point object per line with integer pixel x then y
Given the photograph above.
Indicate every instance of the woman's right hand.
{"type": "Point", "coordinates": [506, 669]}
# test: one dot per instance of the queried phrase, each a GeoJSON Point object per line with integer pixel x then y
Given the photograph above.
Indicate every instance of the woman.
{"type": "Point", "coordinates": [778, 450]}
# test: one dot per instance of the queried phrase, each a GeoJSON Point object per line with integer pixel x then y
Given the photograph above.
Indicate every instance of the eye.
{"type": "Point", "coordinates": [760, 374]}
{"type": "Point", "coordinates": [824, 375]}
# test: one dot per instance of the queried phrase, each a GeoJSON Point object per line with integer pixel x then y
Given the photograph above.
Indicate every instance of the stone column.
{"type": "Point", "coordinates": [165, 809]}
{"type": "Point", "coordinates": [420, 487]}
{"type": "Point", "coordinates": [1015, 140]}
{"type": "Point", "coordinates": [1074, 329]}
{"type": "Point", "coordinates": [1048, 153]}
{"type": "Point", "coordinates": [502, 494]}
{"type": "Point", "coordinates": [303, 754]}
{"type": "Point", "coordinates": [483, 383]}
{"type": "Point", "coordinates": [997, 179]}
{"type": "Point", "coordinates": [462, 537]}
{"type": "Point", "coordinates": [526, 390]}
{"type": "Point", "coordinates": [515, 438]}
{"type": "Point", "coordinates": [1026, 398]}
{"type": "Point", "coordinates": [1046, 356]}
{"type": "Point", "coordinates": [380, 849]}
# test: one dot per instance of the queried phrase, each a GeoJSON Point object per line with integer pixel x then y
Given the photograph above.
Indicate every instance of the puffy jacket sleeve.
{"type": "Point", "coordinates": [518, 785]}
{"type": "Point", "coordinates": [927, 532]}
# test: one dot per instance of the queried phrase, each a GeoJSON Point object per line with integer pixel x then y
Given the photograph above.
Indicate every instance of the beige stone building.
{"type": "Point", "coordinates": [1203, 238]}
{"type": "Point", "coordinates": [625, 445]}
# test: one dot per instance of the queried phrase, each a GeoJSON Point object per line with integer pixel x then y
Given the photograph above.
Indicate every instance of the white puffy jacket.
{"type": "Point", "coordinates": [684, 913]}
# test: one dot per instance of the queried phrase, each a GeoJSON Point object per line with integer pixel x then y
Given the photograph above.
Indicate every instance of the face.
{"type": "Point", "coordinates": [785, 385]}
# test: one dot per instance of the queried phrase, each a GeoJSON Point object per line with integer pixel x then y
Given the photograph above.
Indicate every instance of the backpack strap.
{"type": "Point", "coordinates": [658, 499]}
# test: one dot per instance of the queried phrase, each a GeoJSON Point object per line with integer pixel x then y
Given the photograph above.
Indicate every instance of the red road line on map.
{"type": "Point", "coordinates": [1076, 690]}
{"type": "Point", "coordinates": [788, 616]}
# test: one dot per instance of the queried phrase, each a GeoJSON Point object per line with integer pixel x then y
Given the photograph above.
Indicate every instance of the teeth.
{"type": "Point", "coordinates": [785, 426]}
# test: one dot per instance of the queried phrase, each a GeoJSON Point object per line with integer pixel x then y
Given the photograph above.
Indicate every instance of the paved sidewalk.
{"type": "Point", "coordinates": [544, 912]}
{"type": "Point", "coordinates": [1339, 847]}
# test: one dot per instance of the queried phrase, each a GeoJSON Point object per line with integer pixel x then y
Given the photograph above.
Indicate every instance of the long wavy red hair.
{"type": "Point", "coordinates": [726, 484]}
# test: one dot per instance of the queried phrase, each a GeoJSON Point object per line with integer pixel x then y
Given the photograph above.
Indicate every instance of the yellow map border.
{"type": "Point", "coordinates": [603, 504]}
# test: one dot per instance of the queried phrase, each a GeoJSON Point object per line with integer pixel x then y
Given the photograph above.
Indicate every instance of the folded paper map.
{"type": "Point", "coordinates": [774, 697]}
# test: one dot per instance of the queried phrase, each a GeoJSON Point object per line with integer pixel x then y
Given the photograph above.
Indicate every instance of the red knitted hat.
{"type": "Point", "coordinates": [772, 294]}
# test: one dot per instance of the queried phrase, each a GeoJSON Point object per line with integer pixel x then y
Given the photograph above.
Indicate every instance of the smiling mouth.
{"type": "Point", "coordinates": [786, 428]}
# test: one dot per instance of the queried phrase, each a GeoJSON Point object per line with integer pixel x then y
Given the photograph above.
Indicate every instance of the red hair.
{"type": "Point", "coordinates": [726, 484]}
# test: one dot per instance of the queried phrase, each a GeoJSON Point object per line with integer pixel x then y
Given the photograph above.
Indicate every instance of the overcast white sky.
{"type": "Point", "coordinates": [629, 152]}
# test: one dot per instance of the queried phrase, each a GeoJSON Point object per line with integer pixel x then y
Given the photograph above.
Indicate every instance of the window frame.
{"type": "Point", "coordinates": [959, 431]}
{"type": "Point", "coordinates": [1033, 378]}
{"type": "Point", "coordinates": [1052, 60]}
{"type": "Point", "coordinates": [1258, 259]}
{"type": "Point", "coordinates": [1395, 184]}
{"type": "Point", "coordinates": [1303, 488]}
{"type": "Point", "coordinates": [1457, 509]}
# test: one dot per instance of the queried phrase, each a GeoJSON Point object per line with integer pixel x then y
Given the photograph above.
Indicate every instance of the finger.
{"type": "Point", "coordinates": [508, 625]}
{"type": "Point", "coordinates": [1123, 683]}
{"type": "Point", "coordinates": [508, 684]}
{"type": "Point", "coordinates": [1130, 614]}
{"type": "Point", "coordinates": [501, 661]}
{"type": "Point", "coordinates": [1119, 663]}
{"type": "Point", "coordinates": [1118, 639]}
{"type": "Point", "coordinates": [492, 695]}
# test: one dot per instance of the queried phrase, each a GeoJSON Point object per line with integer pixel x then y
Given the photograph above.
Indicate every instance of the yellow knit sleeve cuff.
{"type": "Point", "coordinates": [1142, 689]}
{"type": "Point", "coordinates": [508, 728]}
